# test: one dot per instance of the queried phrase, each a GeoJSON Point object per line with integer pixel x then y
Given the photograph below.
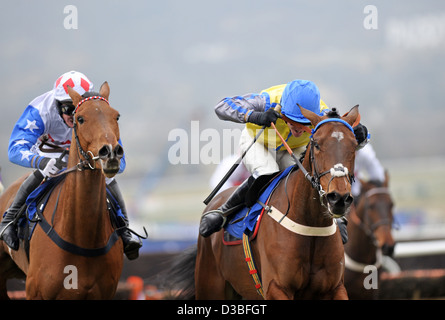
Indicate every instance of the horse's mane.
{"type": "Point", "coordinates": [90, 94]}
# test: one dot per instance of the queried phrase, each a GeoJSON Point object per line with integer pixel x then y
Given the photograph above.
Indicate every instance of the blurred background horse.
{"type": "Point", "coordinates": [370, 236]}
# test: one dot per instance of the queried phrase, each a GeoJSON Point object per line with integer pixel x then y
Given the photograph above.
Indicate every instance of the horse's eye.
{"type": "Point", "coordinates": [118, 117]}
{"type": "Point", "coordinates": [316, 145]}
{"type": "Point", "coordinates": [80, 120]}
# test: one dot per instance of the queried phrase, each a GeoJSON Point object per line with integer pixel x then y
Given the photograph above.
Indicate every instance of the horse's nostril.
{"type": "Point", "coordinates": [119, 151]}
{"type": "Point", "coordinates": [104, 152]}
{"type": "Point", "coordinates": [349, 199]}
{"type": "Point", "coordinates": [107, 153]}
{"type": "Point", "coordinates": [333, 197]}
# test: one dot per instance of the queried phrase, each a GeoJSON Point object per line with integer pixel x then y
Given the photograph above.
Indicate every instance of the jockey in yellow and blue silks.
{"type": "Point", "coordinates": [268, 156]}
{"type": "Point", "coordinates": [51, 114]}
{"type": "Point", "coordinates": [276, 95]}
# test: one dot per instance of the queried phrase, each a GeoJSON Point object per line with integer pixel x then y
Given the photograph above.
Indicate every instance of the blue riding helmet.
{"type": "Point", "coordinates": [302, 92]}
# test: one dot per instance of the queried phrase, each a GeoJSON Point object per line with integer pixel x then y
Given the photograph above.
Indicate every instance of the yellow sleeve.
{"type": "Point", "coordinates": [323, 105]}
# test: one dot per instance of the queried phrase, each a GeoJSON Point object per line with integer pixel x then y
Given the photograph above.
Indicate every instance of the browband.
{"type": "Point", "coordinates": [332, 120]}
{"type": "Point", "coordinates": [89, 98]}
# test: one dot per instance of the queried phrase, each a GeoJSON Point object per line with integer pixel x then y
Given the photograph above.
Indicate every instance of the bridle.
{"type": "Point", "coordinates": [88, 155]}
{"type": "Point", "coordinates": [89, 162]}
{"type": "Point", "coordinates": [369, 229]}
{"type": "Point", "coordinates": [339, 170]}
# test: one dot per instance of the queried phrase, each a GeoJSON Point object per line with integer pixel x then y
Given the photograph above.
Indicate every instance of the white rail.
{"type": "Point", "coordinates": [419, 248]}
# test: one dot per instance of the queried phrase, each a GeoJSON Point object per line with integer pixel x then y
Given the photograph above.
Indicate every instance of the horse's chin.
{"type": "Point", "coordinates": [110, 168]}
{"type": "Point", "coordinates": [109, 174]}
{"type": "Point", "coordinates": [338, 212]}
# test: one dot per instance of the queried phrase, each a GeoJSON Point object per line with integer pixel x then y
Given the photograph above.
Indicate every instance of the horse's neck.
{"type": "Point", "coordinates": [84, 200]}
{"type": "Point", "coordinates": [360, 246]}
{"type": "Point", "coordinates": [305, 202]}
{"type": "Point", "coordinates": [86, 186]}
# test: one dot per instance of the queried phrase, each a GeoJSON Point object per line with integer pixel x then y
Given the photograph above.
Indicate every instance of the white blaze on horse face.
{"type": "Point", "coordinates": [339, 170]}
{"type": "Point", "coordinates": [337, 135]}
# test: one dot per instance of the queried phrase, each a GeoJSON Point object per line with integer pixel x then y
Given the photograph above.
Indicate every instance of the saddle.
{"type": "Point", "coordinates": [247, 219]}
{"type": "Point", "coordinates": [31, 212]}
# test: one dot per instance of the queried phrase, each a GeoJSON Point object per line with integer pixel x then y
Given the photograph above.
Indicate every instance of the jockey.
{"type": "Point", "coordinates": [51, 115]}
{"type": "Point", "coordinates": [366, 164]}
{"type": "Point", "coordinates": [268, 155]}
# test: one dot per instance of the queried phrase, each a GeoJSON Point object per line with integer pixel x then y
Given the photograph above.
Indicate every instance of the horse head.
{"type": "Point", "coordinates": [96, 130]}
{"type": "Point", "coordinates": [332, 155]}
{"type": "Point", "coordinates": [374, 209]}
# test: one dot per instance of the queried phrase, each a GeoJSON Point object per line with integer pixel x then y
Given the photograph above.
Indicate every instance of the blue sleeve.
{"type": "Point", "coordinates": [238, 108]}
{"type": "Point", "coordinates": [25, 134]}
{"type": "Point", "coordinates": [123, 163]}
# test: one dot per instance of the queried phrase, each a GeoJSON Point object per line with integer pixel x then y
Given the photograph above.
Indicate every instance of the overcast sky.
{"type": "Point", "coordinates": [169, 62]}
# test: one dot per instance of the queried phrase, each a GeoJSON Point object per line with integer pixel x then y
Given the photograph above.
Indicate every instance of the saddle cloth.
{"type": "Point", "coordinates": [37, 201]}
{"type": "Point", "coordinates": [245, 220]}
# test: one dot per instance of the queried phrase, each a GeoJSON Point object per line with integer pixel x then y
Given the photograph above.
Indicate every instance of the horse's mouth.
{"type": "Point", "coordinates": [338, 211]}
{"type": "Point", "coordinates": [110, 167]}
{"type": "Point", "coordinates": [338, 205]}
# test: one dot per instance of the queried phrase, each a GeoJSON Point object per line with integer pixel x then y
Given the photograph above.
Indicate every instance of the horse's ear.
{"type": "Point", "coordinates": [386, 183]}
{"type": "Point", "coordinates": [105, 90]}
{"type": "Point", "coordinates": [353, 116]}
{"type": "Point", "coordinates": [75, 96]}
{"type": "Point", "coordinates": [311, 116]}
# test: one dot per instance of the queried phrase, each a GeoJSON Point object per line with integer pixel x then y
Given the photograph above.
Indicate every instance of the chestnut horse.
{"type": "Point", "coordinates": [77, 212]}
{"type": "Point", "coordinates": [307, 263]}
{"type": "Point", "coordinates": [370, 237]}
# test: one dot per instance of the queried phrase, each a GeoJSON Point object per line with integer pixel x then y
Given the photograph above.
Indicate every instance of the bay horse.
{"type": "Point", "coordinates": [290, 264]}
{"type": "Point", "coordinates": [370, 237]}
{"type": "Point", "coordinates": [77, 211]}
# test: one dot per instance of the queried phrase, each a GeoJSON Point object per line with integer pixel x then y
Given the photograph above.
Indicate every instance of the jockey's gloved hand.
{"type": "Point", "coordinates": [264, 118]}
{"type": "Point", "coordinates": [361, 134]}
{"type": "Point", "coordinates": [51, 166]}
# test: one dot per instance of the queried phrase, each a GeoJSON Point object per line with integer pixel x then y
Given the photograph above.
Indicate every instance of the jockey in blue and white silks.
{"type": "Point", "coordinates": [43, 116]}
{"type": "Point", "coordinates": [50, 115]}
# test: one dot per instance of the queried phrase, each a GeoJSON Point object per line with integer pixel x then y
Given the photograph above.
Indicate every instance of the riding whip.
{"type": "Point", "coordinates": [232, 169]}
{"type": "Point", "coordinates": [236, 164]}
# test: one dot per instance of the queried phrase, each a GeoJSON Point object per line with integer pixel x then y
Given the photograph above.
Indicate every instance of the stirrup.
{"type": "Point", "coordinates": [13, 222]}
{"type": "Point", "coordinates": [12, 241]}
{"type": "Point", "coordinates": [222, 214]}
{"type": "Point", "coordinates": [5, 227]}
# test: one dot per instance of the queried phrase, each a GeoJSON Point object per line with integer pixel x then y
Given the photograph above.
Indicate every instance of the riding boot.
{"type": "Point", "coordinates": [342, 225]}
{"type": "Point", "coordinates": [131, 245]}
{"type": "Point", "coordinates": [8, 227]}
{"type": "Point", "coordinates": [214, 220]}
